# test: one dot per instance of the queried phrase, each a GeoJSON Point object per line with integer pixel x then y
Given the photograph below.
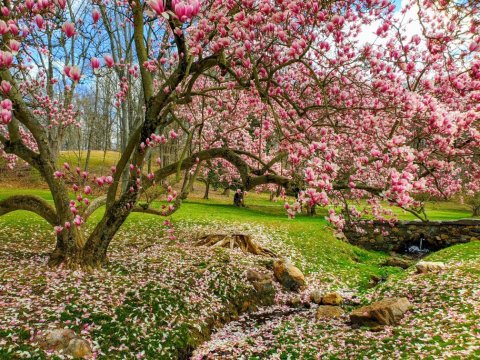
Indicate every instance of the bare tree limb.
{"type": "Point", "coordinates": [29, 203]}
{"type": "Point", "coordinates": [94, 205]}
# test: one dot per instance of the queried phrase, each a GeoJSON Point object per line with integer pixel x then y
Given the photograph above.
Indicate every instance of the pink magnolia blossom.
{"type": "Point", "coordinates": [39, 21]}
{"type": "Point", "coordinates": [5, 11]}
{"type": "Point", "coordinates": [6, 87]}
{"type": "Point", "coordinates": [14, 46]}
{"type": "Point", "coordinates": [95, 15]}
{"type": "Point", "coordinates": [60, 3]}
{"type": "Point", "coordinates": [6, 116]}
{"type": "Point", "coordinates": [157, 5]}
{"type": "Point", "coordinates": [6, 58]}
{"type": "Point", "coordinates": [78, 220]}
{"type": "Point", "coordinates": [6, 104]}
{"type": "Point", "coordinates": [12, 26]}
{"type": "Point", "coordinates": [74, 74]}
{"type": "Point", "coordinates": [69, 29]}
{"type": "Point", "coordinates": [173, 134]}
{"type": "Point", "coordinates": [109, 60]}
{"type": "Point", "coordinates": [186, 9]}
{"type": "Point", "coordinates": [95, 62]}
{"type": "Point", "coordinates": [3, 27]}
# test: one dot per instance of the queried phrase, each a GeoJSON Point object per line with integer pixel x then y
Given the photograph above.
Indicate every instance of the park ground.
{"type": "Point", "coordinates": [160, 298]}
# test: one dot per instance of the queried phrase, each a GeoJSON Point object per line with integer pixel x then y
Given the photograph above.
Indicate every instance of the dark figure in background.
{"type": "Point", "coordinates": [238, 198]}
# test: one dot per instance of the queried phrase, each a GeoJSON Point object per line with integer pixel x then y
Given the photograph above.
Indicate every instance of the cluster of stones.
{"type": "Point", "coordinates": [385, 312]}
{"type": "Point", "coordinates": [388, 311]}
{"type": "Point", "coordinates": [329, 305]}
{"type": "Point", "coordinates": [436, 234]}
{"type": "Point", "coordinates": [66, 342]}
{"type": "Point", "coordinates": [288, 275]}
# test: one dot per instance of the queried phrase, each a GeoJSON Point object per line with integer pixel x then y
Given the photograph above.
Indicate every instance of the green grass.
{"type": "Point", "coordinates": [333, 261]}
{"type": "Point", "coordinates": [99, 161]}
{"type": "Point", "coordinates": [312, 237]}
{"type": "Point", "coordinates": [441, 210]}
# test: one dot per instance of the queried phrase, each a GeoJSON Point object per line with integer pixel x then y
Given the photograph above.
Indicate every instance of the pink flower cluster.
{"type": "Point", "coordinates": [6, 111]}
{"type": "Point", "coordinates": [73, 72]}
{"type": "Point", "coordinates": [185, 10]}
{"type": "Point", "coordinates": [6, 59]}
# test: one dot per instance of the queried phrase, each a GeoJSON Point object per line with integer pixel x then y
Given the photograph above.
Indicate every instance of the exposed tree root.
{"type": "Point", "coordinates": [232, 241]}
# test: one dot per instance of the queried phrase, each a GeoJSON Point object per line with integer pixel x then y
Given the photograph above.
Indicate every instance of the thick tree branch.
{"type": "Point", "coordinates": [14, 145]}
{"type": "Point", "coordinates": [94, 205]}
{"type": "Point", "coordinates": [29, 203]}
{"type": "Point", "coordinates": [204, 155]}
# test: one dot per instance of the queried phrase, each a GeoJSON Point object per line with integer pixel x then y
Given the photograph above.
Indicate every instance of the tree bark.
{"type": "Point", "coordinates": [476, 211]}
{"type": "Point", "coordinates": [207, 189]}
{"type": "Point", "coordinates": [69, 249]}
{"type": "Point", "coordinates": [311, 210]}
{"type": "Point", "coordinates": [95, 250]}
{"type": "Point", "coordinates": [30, 203]}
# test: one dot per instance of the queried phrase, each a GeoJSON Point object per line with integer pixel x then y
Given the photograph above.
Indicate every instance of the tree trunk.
{"type": "Point", "coordinates": [279, 191]}
{"type": "Point", "coordinates": [226, 191]}
{"type": "Point", "coordinates": [149, 162]}
{"type": "Point", "coordinates": [95, 249]}
{"type": "Point", "coordinates": [311, 210]}
{"type": "Point", "coordinates": [207, 189]}
{"type": "Point", "coordinates": [69, 249]}
{"type": "Point", "coordinates": [476, 211]}
{"type": "Point", "coordinates": [89, 150]}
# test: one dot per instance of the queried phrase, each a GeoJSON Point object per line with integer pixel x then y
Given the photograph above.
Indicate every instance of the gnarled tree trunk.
{"type": "Point", "coordinates": [69, 249]}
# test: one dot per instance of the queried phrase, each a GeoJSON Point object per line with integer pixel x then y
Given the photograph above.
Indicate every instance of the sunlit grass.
{"type": "Point", "coordinates": [337, 263]}
{"type": "Point", "coordinates": [311, 236]}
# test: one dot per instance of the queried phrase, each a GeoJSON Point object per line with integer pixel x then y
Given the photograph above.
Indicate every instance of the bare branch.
{"type": "Point", "coordinates": [29, 203]}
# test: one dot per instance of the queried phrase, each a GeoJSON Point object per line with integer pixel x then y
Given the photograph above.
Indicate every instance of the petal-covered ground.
{"type": "Point", "coordinates": [159, 299]}
{"type": "Point", "coordinates": [156, 299]}
{"type": "Point", "coordinates": [444, 324]}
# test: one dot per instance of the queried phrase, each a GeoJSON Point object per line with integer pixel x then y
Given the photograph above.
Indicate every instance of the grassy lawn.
{"type": "Point", "coordinates": [192, 289]}
{"type": "Point", "coordinates": [98, 159]}
{"type": "Point", "coordinates": [311, 237]}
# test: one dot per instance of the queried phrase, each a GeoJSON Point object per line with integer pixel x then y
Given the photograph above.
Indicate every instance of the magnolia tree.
{"type": "Point", "coordinates": [254, 84]}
